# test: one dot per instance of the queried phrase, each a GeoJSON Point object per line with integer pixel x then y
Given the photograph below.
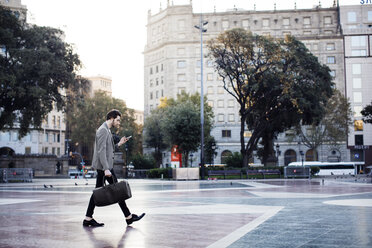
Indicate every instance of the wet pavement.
{"type": "Point", "coordinates": [223, 213]}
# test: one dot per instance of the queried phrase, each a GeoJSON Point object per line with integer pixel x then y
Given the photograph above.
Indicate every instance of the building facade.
{"type": "Point", "coordinates": [172, 64]}
{"type": "Point", "coordinates": [100, 83]}
{"type": "Point", "coordinates": [356, 24]}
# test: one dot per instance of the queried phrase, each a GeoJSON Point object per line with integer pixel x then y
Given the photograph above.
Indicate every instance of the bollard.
{"type": "Point", "coordinates": [162, 176]}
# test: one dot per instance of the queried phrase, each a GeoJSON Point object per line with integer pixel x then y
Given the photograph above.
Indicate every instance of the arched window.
{"type": "Point", "coordinates": [225, 154]}
{"type": "Point", "coordinates": [289, 157]}
{"type": "Point", "coordinates": [311, 155]}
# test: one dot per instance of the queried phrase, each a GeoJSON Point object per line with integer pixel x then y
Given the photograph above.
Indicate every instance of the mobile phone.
{"type": "Point", "coordinates": [129, 137]}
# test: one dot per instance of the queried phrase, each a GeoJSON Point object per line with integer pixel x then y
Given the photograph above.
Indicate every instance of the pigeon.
{"type": "Point", "coordinates": [86, 184]}
{"type": "Point", "coordinates": [45, 186]}
{"type": "Point", "coordinates": [75, 184]}
{"type": "Point", "coordinates": [51, 186]}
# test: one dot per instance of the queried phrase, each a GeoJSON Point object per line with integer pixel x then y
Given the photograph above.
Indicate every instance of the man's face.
{"type": "Point", "coordinates": [116, 122]}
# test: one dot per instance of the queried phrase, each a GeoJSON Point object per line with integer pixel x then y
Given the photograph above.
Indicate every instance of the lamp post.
{"type": "Point", "coordinates": [126, 161]}
{"type": "Point", "coordinates": [213, 152]}
{"type": "Point", "coordinates": [202, 30]}
{"type": "Point", "coordinates": [302, 157]}
{"type": "Point", "coordinates": [277, 154]}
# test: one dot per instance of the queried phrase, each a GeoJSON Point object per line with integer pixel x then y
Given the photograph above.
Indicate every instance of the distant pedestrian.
{"type": "Point", "coordinates": [103, 160]}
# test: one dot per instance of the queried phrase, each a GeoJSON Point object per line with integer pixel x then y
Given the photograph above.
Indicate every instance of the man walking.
{"type": "Point", "coordinates": [103, 160]}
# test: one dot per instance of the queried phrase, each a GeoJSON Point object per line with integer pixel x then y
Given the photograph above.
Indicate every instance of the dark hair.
{"type": "Point", "coordinates": [113, 113]}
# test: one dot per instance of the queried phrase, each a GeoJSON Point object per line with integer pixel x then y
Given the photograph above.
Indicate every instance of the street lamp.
{"type": "Point", "coordinates": [202, 30]}
{"type": "Point", "coordinates": [277, 154]}
{"type": "Point", "coordinates": [126, 161]}
{"type": "Point", "coordinates": [302, 157]}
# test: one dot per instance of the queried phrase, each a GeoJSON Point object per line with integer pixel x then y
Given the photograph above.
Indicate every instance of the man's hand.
{"type": "Point", "coordinates": [108, 173]}
{"type": "Point", "coordinates": [123, 140]}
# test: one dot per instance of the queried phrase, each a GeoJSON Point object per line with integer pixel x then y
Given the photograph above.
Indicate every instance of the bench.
{"type": "Point", "coordinates": [263, 172]}
{"type": "Point", "coordinates": [269, 172]}
{"type": "Point", "coordinates": [225, 173]}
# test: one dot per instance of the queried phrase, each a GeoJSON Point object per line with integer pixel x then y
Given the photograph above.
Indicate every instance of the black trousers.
{"type": "Point", "coordinates": [99, 183]}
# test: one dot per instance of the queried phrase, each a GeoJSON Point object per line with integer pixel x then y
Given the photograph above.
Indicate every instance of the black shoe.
{"type": "Point", "coordinates": [134, 218]}
{"type": "Point", "coordinates": [92, 222]}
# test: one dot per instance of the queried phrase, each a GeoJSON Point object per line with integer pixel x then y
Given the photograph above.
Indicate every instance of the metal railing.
{"type": "Point", "coordinates": [16, 175]}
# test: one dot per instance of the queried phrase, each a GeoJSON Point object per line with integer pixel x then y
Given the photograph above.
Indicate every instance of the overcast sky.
{"type": "Point", "coordinates": [110, 35]}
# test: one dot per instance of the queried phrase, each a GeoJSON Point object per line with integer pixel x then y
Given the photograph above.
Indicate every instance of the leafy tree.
{"type": "Point", "coordinates": [88, 114]}
{"type": "Point", "coordinates": [210, 149]}
{"type": "Point", "coordinates": [367, 113]}
{"type": "Point", "coordinates": [333, 128]}
{"type": "Point", "coordinates": [36, 64]}
{"type": "Point", "coordinates": [180, 124]}
{"type": "Point", "coordinates": [154, 134]}
{"type": "Point", "coordinates": [235, 160]}
{"type": "Point", "coordinates": [277, 83]}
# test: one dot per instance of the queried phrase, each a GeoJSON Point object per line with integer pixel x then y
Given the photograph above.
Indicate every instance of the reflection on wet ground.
{"type": "Point", "coordinates": [223, 213]}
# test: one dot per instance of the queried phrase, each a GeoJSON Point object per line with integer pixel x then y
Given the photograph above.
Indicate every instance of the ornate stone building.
{"type": "Point", "coordinates": [172, 63]}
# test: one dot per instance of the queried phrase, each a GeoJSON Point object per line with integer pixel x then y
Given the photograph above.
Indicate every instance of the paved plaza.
{"type": "Point", "coordinates": [222, 213]}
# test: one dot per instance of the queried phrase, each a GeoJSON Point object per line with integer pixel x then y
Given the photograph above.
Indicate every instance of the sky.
{"type": "Point", "coordinates": [109, 36]}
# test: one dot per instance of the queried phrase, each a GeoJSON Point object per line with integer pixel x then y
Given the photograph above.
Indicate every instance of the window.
{"type": "Point", "coordinates": [157, 81]}
{"type": "Point", "coordinates": [331, 60]}
{"type": "Point", "coordinates": [285, 21]}
{"type": "Point", "coordinates": [357, 69]}
{"type": "Point", "coordinates": [210, 90]}
{"type": "Point", "coordinates": [359, 140]}
{"type": "Point", "coordinates": [330, 46]}
{"type": "Point", "coordinates": [53, 150]}
{"type": "Point", "coordinates": [327, 20]}
{"type": "Point", "coordinates": [54, 137]}
{"type": "Point", "coordinates": [59, 121]}
{"type": "Point", "coordinates": [157, 69]}
{"type": "Point", "coordinates": [357, 83]}
{"type": "Point", "coordinates": [265, 22]}
{"type": "Point", "coordinates": [245, 23]}
{"type": "Point", "coordinates": [181, 64]}
{"type": "Point", "coordinates": [357, 97]}
{"type": "Point", "coordinates": [151, 71]}
{"type": "Point", "coordinates": [198, 63]}
{"type": "Point", "coordinates": [225, 24]}
{"type": "Point", "coordinates": [351, 17]}
{"type": "Point", "coordinates": [220, 90]}
{"type": "Point", "coordinates": [151, 96]}
{"type": "Point", "coordinates": [58, 151]}
{"type": "Point", "coordinates": [46, 136]}
{"type": "Point", "coordinates": [221, 117]}
{"type": "Point", "coordinates": [162, 80]}
{"type": "Point", "coordinates": [210, 103]}
{"type": "Point", "coordinates": [231, 103]}
{"type": "Point", "coordinates": [198, 77]}
{"type": "Point", "coordinates": [151, 83]}
{"type": "Point", "coordinates": [58, 138]}
{"type": "Point", "coordinates": [210, 63]}
{"type": "Point", "coordinates": [210, 76]}
{"type": "Point", "coordinates": [162, 93]}
{"type": "Point", "coordinates": [225, 155]}
{"type": "Point", "coordinates": [357, 111]}
{"type": "Point", "coordinates": [46, 150]}
{"type": "Point", "coordinates": [332, 73]}
{"type": "Point", "coordinates": [161, 66]}
{"type": "Point", "coordinates": [307, 21]}
{"type": "Point", "coordinates": [181, 90]}
{"type": "Point", "coordinates": [358, 125]}
{"type": "Point", "coordinates": [231, 117]}
{"type": "Point", "coordinates": [315, 46]}
{"type": "Point", "coordinates": [157, 94]}
{"type": "Point", "coordinates": [226, 133]}
{"type": "Point", "coordinates": [220, 103]}
{"type": "Point", "coordinates": [358, 41]}
{"type": "Point", "coordinates": [359, 52]}
{"type": "Point", "coordinates": [181, 77]}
